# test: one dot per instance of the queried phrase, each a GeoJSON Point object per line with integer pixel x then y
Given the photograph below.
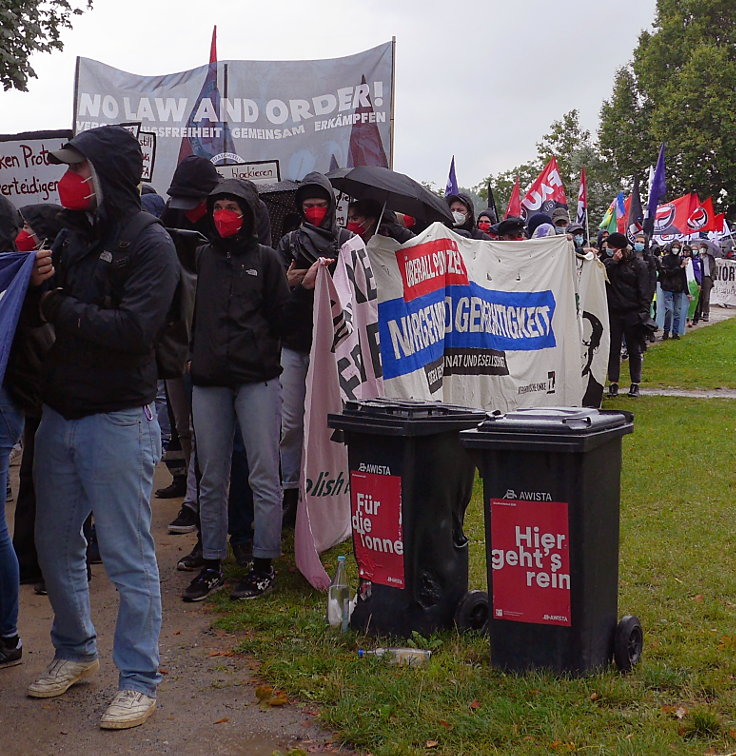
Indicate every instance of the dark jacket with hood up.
{"type": "Point", "coordinates": [627, 288]}
{"type": "Point", "coordinates": [243, 305]}
{"type": "Point", "coordinates": [308, 243]}
{"type": "Point", "coordinates": [672, 276]}
{"type": "Point", "coordinates": [107, 305]}
{"type": "Point", "coordinates": [468, 228]}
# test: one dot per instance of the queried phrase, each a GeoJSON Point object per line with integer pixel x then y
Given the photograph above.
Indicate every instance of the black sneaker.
{"type": "Point", "coordinates": [185, 522]}
{"type": "Point", "coordinates": [665, 336]}
{"type": "Point", "coordinates": [193, 560]}
{"type": "Point", "coordinates": [255, 585]}
{"type": "Point", "coordinates": [634, 390]}
{"type": "Point", "coordinates": [175, 489]}
{"type": "Point", "coordinates": [243, 553]}
{"type": "Point", "coordinates": [613, 390]}
{"type": "Point", "coordinates": [676, 336]}
{"type": "Point", "coordinates": [11, 652]}
{"type": "Point", "coordinates": [208, 581]}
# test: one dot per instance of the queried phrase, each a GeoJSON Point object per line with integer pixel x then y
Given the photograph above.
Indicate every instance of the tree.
{"type": "Point", "coordinates": [28, 26]}
{"type": "Point", "coordinates": [678, 90]}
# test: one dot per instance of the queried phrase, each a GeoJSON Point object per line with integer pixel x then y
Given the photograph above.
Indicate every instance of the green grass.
{"type": "Point", "coordinates": [677, 574]}
{"type": "Point", "coordinates": [702, 359]}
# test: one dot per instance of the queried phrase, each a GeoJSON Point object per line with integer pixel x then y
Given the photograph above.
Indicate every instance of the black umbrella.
{"type": "Point", "coordinates": [399, 192]}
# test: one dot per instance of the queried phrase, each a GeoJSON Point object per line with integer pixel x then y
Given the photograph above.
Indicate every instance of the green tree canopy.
{"type": "Point", "coordinates": [28, 26]}
{"type": "Point", "coordinates": [678, 90]}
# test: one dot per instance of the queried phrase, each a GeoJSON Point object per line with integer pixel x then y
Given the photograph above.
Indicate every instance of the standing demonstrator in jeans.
{"type": "Point", "coordinates": [673, 281]}
{"type": "Point", "coordinates": [243, 307]}
{"type": "Point", "coordinates": [112, 277]}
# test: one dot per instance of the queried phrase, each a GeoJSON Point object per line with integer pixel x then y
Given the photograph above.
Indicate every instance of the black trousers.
{"type": "Point", "coordinates": [633, 334]}
{"type": "Point", "coordinates": [25, 507]}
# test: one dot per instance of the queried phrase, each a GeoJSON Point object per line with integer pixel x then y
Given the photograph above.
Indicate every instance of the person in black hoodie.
{"type": "Point", "coordinates": [461, 207]}
{"type": "Point", "coordinates": [673, 281]}
{"type": "Point", "coordinates": [106, 288]}
{"type": "Point", "coordinates": [627, 290]}
{"type": "Point", "coordinates": [317, 236]}
{"type": "Point", "coordinates": [363, 217]}
{"type": "Point", "coordinates": [243, 307]}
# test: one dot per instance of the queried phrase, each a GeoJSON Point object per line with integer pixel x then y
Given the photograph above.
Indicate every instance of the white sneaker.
{"type": "Point", "coordinates": [60, 676]}
{"type": "Point", "coordinates": [129, 708]}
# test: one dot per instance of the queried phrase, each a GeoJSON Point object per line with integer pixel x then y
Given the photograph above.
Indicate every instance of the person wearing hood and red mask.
{"type": "Point", "coordinates": [485, 223]}
{"type": "Point", "coordinates": [106, 286]}
{"type": "Point", "coordinates": [363, 217]}
{"type": "Point", "coordinates": [317, 236]}
{"type": "Point", "coordinates": [461, 207]}
{"type": "Point", "coordinates": [243, 308]}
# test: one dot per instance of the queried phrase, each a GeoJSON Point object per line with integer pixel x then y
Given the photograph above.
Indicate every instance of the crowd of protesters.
{"type": "Point", "coordinates": [196, 296]}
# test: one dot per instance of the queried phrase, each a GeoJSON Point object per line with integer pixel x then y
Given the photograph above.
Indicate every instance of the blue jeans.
{"type": "Point", "coordinates": [294, 387]}
{"type": "Point", "coordinates": [11, 426]}
{"type": "Point", "coordinates": [672, 302]}
{"type": "Point", "coordinates": [240, 499]}
{"type": "Point", "coordinates": [101, 464]}
{"type": "Point", "coordinates": [257, 409]}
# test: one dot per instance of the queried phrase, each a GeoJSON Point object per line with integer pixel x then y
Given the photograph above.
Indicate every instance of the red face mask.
{"type": "Point", "coordinates": [25, 242]}
{"type": "Point", "coordinates": [409, 221]}
{"type": "Point", "coordinates": [315, 215]}
{"type": "Point", "coordinates": [355, 227]}
{"type": "Point", "coordinates": [75, 193]}
{"type": "Point", "coordinates": [196, 213]}
{"type": "Point", "coordinates": [227, 222]}
{"type": "Point", "coordinates": [484, 226]}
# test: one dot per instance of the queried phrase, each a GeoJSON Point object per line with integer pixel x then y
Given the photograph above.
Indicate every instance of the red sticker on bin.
{"type": "Point", "coordinates": [375, 503]}
{"type": "Point", "coordinates": [530, 561]}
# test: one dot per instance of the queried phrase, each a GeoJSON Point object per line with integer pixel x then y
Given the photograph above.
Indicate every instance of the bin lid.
{"type": "Point", "coordinates": [562, 428]}
{"type": "Point", "coordinates": [404, 417]}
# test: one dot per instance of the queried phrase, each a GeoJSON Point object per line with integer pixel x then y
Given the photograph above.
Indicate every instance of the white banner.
{"type": "Point", "coordinates": [480, 324]}
{"type": "Point", "coordinates": [594, 328]}
{"type": "Point", "coordinates": [306, 115]}
{"type": "Point", "coordinates": [724, 283]}
{"type": "Point", "coordinates": [26, 176]}
{"type": "Point", "coordinates": [344, 364]}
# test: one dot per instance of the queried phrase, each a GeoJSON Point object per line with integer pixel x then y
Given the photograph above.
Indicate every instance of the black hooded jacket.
{"type": "Point", "coordinates": [107, 304]}
{"type": "Point", "coordinates": [243, 305]}
{"type": "Point", "coordinates": [308, 243]}
{"type": "Point", "coordinates": [10, 224]}
{"type": "Point", "coordinates": [672, 276]}
{"type": "Point", "coordinates": [627, 288]}
{"type": "Point", "coordinates": [468, 227]}
{"type": "Point", "coordinates": [45, 220]}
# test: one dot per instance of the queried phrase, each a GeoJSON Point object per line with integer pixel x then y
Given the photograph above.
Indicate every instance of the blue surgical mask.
{"type": "Point", "coordinates": [610, 252]}
{"type": "Point", "coordinates": [578, 240]}
{"type": "Point", "coordinates": [696, 252]}
{"type": "Point", "coordinates": [638, 247]}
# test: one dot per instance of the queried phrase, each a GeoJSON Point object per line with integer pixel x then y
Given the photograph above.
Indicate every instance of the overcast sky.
{"type": "Point", "coordinates": [482, 79]}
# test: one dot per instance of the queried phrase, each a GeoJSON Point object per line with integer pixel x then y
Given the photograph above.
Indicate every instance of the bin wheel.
{"type": "Point", "coordinates": [471, 612]}
{"type": "Point", "coordinates": [628, 642]}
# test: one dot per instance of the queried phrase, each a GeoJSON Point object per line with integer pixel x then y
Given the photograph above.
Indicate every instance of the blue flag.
{"type": "Point", "coordinates": [15, 273]}
{"type": "Point", "coordinates": [451, 187]}
{"type": "Point", "coordinates": [657, 191]}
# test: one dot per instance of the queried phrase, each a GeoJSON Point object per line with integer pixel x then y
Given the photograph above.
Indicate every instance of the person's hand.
{"type": "Point", "coordinates": [690, 297]}
{"type": "Point", "coordinates": [295, 275]}
{"type": "Point", "coordinates": [310, 278]}
{"type": "Point", "coordinates": [618, 255]}
{"type": "Point", "coordinates": [43, 268]}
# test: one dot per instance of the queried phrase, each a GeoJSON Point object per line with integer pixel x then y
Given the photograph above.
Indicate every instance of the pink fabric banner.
{"type": "Point", "coordinates": [344, 364]}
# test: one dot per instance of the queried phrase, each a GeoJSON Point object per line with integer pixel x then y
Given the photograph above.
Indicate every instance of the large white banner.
{"type": "Point", "coordinates": [480, 324]}
{"type": "Point", "coordinates": [724, 283]}
{"type": "Point", "coordinates": [298, 116]}
{"type": "Point", "coordinates": [26, 175]}
{"type": "Point", "coordinates": [344, 364]}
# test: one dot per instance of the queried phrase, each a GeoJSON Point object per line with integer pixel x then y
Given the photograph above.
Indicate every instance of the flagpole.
{"type": "Point", "coordinates": [393, 98]}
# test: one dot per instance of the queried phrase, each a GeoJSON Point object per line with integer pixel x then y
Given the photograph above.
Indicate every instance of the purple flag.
{"type": "Point", "coordinates": [657, 191]}
{"type": "Point", "coordinates": [451, 187]}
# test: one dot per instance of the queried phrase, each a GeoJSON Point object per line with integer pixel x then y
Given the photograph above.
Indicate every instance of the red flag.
{"type": "Point", "coordinates": [719, 223]}
{"type": "Point", "coordinates": [702, 217]}
{"type": "Point", "coordinates": [514, 207]}
{"type": "Point", "coordinates": [582, 198]}
{"type": "Point", "coordinates": [546, 193]}
{"type": "Point", "coordinates": [366, 146]}
{"type": "Point", "coordinates": [213, 46]}
{"type": "Point", "coordinates": [672, 217]}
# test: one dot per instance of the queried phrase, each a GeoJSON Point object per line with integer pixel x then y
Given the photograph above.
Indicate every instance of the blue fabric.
{"type": "Point", "coordinates": [451, 187]}
{"type": "Point", "coordinates": [101, 464]}
{"type": "Point", "coordinates": [659, 185]}
{"type": "Point", "coordinates": [15, 273]}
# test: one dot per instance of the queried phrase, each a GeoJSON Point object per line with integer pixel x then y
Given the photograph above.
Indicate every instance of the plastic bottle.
{"type": "Point", "coordinates": [413, 657]}
{"type": "Point", "coordinates": [338, 597]}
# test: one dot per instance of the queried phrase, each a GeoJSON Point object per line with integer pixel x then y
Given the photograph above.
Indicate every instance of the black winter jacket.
{"type": "Point", "coordinates": [672, 276]}
{"type": "Point", "coordinates": [306, 244]}
{"type": "Point", "coordinates": [628, 286]}
{"type": "Point", "coordinates": [243, 305]}
{"type": "Point", "coordinates": [107, 305]}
